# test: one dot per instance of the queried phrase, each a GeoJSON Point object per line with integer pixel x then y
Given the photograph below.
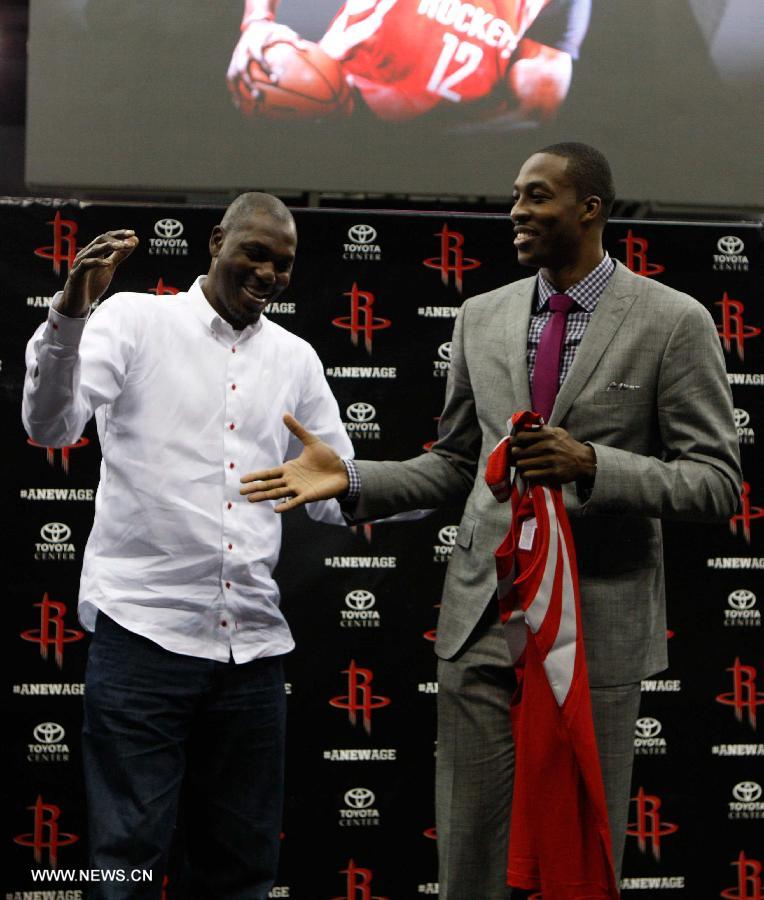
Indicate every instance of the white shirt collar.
{"type": "Point", "coordinates": [204, 311]}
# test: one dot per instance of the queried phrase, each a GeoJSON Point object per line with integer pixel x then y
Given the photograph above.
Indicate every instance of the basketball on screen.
{"type": "Point", "coordinates": [302, 83]}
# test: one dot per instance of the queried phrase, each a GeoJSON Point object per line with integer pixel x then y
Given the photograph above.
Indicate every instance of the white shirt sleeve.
{"type": "Point", "coordinates": [74, 365]}
{"type": "Point", "coordinates": [319, 413]}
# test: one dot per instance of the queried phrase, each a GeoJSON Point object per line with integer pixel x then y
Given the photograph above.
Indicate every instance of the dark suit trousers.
{"type": "Point", "coordinates": [475, 763]}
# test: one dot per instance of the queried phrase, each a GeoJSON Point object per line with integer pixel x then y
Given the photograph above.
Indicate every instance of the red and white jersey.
{"type": "Point", "coordinates": [559, 841]}
{"type": "Point", "coordinates": [407, 57]}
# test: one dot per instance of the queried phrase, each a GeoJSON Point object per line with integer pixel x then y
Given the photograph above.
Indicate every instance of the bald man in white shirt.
{"type": "Point", "coordinates": [184, 685]}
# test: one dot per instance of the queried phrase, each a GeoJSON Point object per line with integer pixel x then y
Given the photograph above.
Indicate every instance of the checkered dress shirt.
{"type": "Point", "coordinates": [586, 293]}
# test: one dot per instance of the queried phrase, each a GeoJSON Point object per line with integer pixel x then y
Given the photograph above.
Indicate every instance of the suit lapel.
{"type": "Point", "coordinates": [516, 319]}
{"type": "Point", "coordinates": [612, 307]}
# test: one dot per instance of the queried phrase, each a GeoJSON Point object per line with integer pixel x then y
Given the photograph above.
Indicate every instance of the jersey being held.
{"type": "Point", "coordinates": [406, 57]}
{"type": "Point", "coordinates": [559, 840]}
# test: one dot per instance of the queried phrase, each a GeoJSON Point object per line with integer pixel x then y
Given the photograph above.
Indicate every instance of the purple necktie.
{"type": "Point", "coordinates": [546, 373]}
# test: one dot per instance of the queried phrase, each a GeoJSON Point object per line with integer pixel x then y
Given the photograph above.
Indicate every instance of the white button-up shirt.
{"type": "Point", "coordinates": [184, 406]}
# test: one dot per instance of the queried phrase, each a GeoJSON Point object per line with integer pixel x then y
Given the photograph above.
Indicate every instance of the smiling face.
{"type": "Point", "coordinates": [251, 265]}
{"type": "Point", "coordinates": [552, 225]}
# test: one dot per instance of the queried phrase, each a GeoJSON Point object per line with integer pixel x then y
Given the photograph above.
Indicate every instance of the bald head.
{"type": "Point", "coordinates": [252, 204]}
{"type": "Point", "coordinates": [252, 253]}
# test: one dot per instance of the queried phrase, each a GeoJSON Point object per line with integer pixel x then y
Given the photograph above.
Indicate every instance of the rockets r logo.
{"type": "Point", "coordinates": [428, 445]}
{"type": "Point", "coordinates": [358, 884]}
{"type": "Point", "coordinates": [161, 288]}
{"type": "Point", "coordinates": [733, 329]}
{"type": "Point", "coordinates": [52, 631]}
{"type": "Point", "coordinates": [432, 634]}
{"type": "Point", "coordinates": [748, 880]}
{"type": "Point", "coordinates": [64, 247]}
{"type": "Point", "coordinates": [744, 697]}
{"type": "Point", "coordinates": [451, 258]}
{"type": "Point", "coordinates": [636, 256]}
{"type": "Point", "coordinates": [747, 513]}
{"type": "Point", "coordinates": [361, 319]}
{"type": "Point", "coordinates": [359, 696]}
{"type": "Point", "coordinates": [65, 451]}
{"type": "Point", "coordinates": [649, 829]}
{"type": "Point", "coordinates": [46, 835]}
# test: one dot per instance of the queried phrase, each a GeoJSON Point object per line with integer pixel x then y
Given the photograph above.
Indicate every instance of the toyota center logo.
{"type": "Point", "coordinates": [168, 228]}
{"type": "Point", "coordinates": [648, 728]}
{"type": "Point", "coordinates": [745, 792]}
{"type": "Point", "coordinates": [48, 733]}
{"type": "Point", "coordinates": [362, 244]}
{"type": "Point", "coordinates": [731, 255]}
{"type": "Point", "coordinates": [361, 412]}
{"type": "Point", "coordinates": [362, 234]}
{"type": "Point", "coordinates": [442, 365]}
{"type": "Point", "coordinates": [55, 532]}
{"type": "Point", "coordinates": [362, 425]}
{"type": "Point", "coordinates": [730, 245]}
{"type": "Point", "coordinates": [55, 545]}
{"type": "Point", "coordinates": [745, 434]}
{"type": "Point", "coordinates": [447, 535]}
{"type": "Point", "coordinates": [359, 798]}
{"type": "Point", "coordinates": [360, 600]}
{"type": "Point", "coordinates": [742, 599]}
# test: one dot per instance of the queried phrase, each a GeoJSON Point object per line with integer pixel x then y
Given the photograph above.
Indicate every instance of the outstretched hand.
{"type": "Point", "coordinates": [318, 473]}
{"type": "Point", "coordinates": [93, 269]}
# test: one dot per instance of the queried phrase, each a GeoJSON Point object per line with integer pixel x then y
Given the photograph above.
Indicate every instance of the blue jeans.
{"type": "Point", "coordinates": [160, 726]}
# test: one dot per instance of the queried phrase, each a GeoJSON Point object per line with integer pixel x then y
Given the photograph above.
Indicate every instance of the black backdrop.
{"type": "Point", "coordinates": [376, 294]}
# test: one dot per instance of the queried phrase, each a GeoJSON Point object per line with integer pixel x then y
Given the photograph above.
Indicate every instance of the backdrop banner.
{"type": "Point", "coordinates": [376, 294]}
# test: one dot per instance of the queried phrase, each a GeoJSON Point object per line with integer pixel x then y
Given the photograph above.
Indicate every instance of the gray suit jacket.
{"type": "Point", "coordinates": [648, 390]}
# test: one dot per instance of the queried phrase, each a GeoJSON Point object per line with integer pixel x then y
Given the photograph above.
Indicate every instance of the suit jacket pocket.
{"type": "Point", "coordinates": [466, 532]}
{"type": "Point", "coordinates": [621, 399]}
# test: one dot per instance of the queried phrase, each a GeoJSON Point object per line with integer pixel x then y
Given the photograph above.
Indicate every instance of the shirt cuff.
{"type": "Point", "coordinates": [65, 331]}
{"type": "Point", "coordinates": [350, 498]}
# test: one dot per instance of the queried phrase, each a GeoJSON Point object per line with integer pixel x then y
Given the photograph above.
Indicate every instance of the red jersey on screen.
{"type": "Point", "coordinates": [407, 57]}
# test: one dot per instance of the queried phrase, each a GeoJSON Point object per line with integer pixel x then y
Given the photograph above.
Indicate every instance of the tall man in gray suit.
{"type": "Point", "coordinates": [641, 430]}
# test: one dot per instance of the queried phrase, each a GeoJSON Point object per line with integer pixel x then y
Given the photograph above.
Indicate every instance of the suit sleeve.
{"type": "Point", "coordinates": [445, 474]}
{"type": "Point", "coordinates": [698, 475]}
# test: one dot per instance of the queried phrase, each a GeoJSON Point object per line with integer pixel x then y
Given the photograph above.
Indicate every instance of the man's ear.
{"type": "Point", "coordinates": [592, 208]}
{"type": "Point", "coordinates": [216, 240]}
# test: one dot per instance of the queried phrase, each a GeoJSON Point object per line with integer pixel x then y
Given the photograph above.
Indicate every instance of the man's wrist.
{"type": "Point", "coordinates": [63, 310]}
{"type": "Point", "coordinates": [585, 481]}
{"type": "Point", "coordinates": [66, 304]}
{"type": "Point", "coordinates": [351, 495]}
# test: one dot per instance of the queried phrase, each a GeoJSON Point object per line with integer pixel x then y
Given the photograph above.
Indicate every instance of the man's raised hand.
{"type": "Point", "coordinates": [93, 269]}
{"type": "Point", "coordinates": [318, 473]}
